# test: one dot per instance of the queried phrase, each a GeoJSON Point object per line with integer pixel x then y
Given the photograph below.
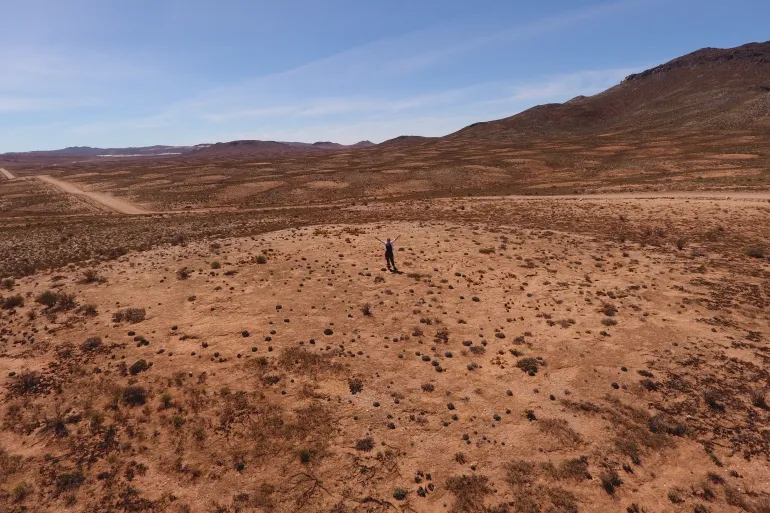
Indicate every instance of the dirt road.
{"type": "Point", "coordinates": [6, 173]}
{"type": "Point", "coordinates": [645, 195]}
{"type": "Point", "coordinates": [125, 207]}
{"type": "Point", "coordinates": [105, 200]}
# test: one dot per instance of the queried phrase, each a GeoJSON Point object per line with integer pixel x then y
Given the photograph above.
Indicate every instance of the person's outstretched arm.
{"type": "Point", "coordinates": [394, 240]}
{"type": "Point", "coordinates": [380, 240]}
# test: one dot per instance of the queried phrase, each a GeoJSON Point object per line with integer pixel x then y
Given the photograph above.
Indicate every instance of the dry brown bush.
{"type": "Point", "coordinates": [130, 315]}
{"type": "Point", "coordinates": [11, 302]}
{"type": "Point", "coordinates": [469, 492]}
{"type": "Point", "coordinates": [303, 361]}
{"type": "Point", "coordinates": [28, 382]}
{"type": "Point", "coordinates": [92, 276]}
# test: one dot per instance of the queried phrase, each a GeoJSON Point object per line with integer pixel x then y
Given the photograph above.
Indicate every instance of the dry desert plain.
{"type": "Point", "coordinates": [579, 324]}
{"type": "Point", "coordinates": [585, 353]}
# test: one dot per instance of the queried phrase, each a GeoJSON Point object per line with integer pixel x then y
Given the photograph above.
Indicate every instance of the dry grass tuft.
{"type": "Point", "coordinates": [469, 492]}
{"type": "Point", "coordinates": [92, 276]}
{"type": "Point", "coordinates": [130, 315]}
{"type": "Point", "coordinates": [304, 362]}
{"type": "Point", "coordinates": [29, 382]}
{"type": "Point", "coordinates": [11, 302]}
{"type": "Point", "coordinates": [560, 430]}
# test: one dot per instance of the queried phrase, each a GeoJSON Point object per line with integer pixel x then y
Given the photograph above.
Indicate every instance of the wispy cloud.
{"type": "Point", "coordinates": [349, 120]}
{"type": "Point", "coordinates": [326, 106]}
{"type": "Point", "coordinates": [27, 68]}
{"type": "Point", "coordinates": [384, 119]}
{"type": "Point", "coordinates": [563, 87]}
{"type": "Point", "coordinates": [48, 81]}
{"type": "Point", "coordinates": [43, 104]}
{"type": "Point", "coordinates": [370, 91]}
{"type": "Point", "coordinates": [364, 68]}
{"type": "Point", "coordinates": [561, 21]}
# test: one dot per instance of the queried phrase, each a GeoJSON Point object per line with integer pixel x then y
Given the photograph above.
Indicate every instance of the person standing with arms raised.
{"type": "Point", "coordinates": [389, 260]}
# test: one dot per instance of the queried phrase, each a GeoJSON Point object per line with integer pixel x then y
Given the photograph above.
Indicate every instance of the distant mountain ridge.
{"type": "Point", "coordinates": [709, 89]}
{"type": "Point", "coordinates": [256, 148]}
{"type": "Point", "coordinates": [94, 152]}
{"type": "Point", "coordinates": [267, 148]}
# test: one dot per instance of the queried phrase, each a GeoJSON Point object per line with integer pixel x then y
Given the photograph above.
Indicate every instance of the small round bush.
{"type": "Point", "coordinates": [138, 366]}
{"type": "Point", "coordinates": [134, 395]}
{"type": "Point", "coordinates": [91, 344]}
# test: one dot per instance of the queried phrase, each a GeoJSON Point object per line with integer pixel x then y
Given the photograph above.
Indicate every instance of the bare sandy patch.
{"type": "Point", "coordinates": [616, 147]}
{"type": "Point", "coordinates": [327, 184]}
{"type": "Point", "coordinates": [207, 178]}
{"type": "Point", "coordinates": [244, 190]}
{"type": "Point", "coordinates": [734, 156]}
{"type": "Point", "coordinates": [720, 173]}
{"type": "Point", "coordinates": [406, 186]}
{"type": "Point", "coordinates": [153, 183]}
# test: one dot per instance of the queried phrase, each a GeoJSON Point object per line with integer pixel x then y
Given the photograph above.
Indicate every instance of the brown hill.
{"type": "Point", "coordinates": [254, 149]}
{"type": "Point", "coordinates": [709, 89]}
{"type": "Point", "coordinates": [328, 145]}
{"type": "Point", "coordinates": [406, 140]}
{"type": "Point", "coordinates": [264, 149]}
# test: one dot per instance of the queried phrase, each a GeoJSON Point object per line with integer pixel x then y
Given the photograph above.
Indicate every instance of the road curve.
{"type": "Point", "coordinates": [6, 173]}
{"type": "Point", "coordinates": [111, 202]}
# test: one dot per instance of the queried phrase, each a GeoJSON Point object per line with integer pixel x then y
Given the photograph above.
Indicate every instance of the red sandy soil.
{"type": "Point", "coordinates": [580, 322]}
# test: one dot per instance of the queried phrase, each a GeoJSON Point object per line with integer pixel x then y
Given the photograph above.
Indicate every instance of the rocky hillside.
{"type": "Point", "coordinates": [710, 89]}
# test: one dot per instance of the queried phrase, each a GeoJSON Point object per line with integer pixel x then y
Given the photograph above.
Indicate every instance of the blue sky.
{"type": "Point", "coordinates": [133, 73]}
